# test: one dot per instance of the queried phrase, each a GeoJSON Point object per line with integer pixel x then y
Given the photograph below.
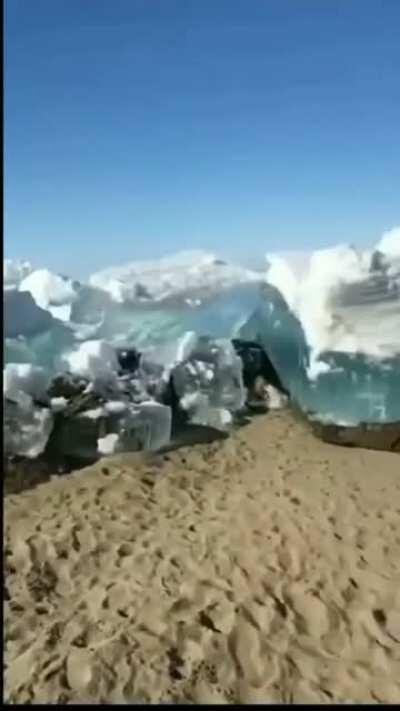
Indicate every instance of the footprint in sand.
{"type": "Point", "coordinates": [312, 614]}
{"type": "Point", "coordinates": [79, 670]}
{"type": "Point", "coordinates": [245, 647]}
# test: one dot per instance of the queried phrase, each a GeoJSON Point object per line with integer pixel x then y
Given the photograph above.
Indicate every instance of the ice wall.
{"type": "Point", "coordinates": [331, 326]}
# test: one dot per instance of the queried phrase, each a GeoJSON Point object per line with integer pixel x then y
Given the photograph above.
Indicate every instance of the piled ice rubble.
{"type": "Point", "coordinates": [110, 401]}
{"type": "Point", "coordinates": [27, 425]}
{"type": "Point", "coordinates": [115, 426]}
{"type": "Point", "coordinates": [51, 291]}
{"type": "Point", "coordinates": [47, 314]}
{"type": "Point", "coordinates": [329, 322]}
{"type": "Point", "coordinates": [81, 331]}
{"type": "Point", "coordinates": [72, 418]}
{"type": "Point", "coordinates": [209, 383]}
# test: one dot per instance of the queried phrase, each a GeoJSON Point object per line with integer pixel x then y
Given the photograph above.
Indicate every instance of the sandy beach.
{"type": "Point", "coordinates": [261, 568]}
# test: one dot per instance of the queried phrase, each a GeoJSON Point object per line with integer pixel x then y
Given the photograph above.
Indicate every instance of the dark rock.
{"type": "Point", "coordinates": [256, 363]}
{"type": "Point", "coordinates": [75, 437]}
{"type": "Point", "coordinates": [129, 359]}
{"type": "Point", "coordinates": [141, 292]}
{"type": "Point", "coordinates": [384, 437]}
{"type": "Point", "coordinates": [67, 385]}
{"type": "Point", "coordinates": [83, 401]}
{"type": "Point", "coordinates": [169, 397]}
{"type": "Point", "coordinates": [74, 434]}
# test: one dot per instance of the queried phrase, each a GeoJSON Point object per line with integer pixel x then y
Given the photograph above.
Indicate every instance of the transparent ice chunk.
{"type": "Point", "coordinates": [26, 428]}
{"type": "Point", "coordinates": [148, 426]}
{"type": "Point", "coordinates": [145, 426]}
{"type": "Point", "coordinates": [353, 388]}
{"type": "Point", "coordinates": [209, 384]}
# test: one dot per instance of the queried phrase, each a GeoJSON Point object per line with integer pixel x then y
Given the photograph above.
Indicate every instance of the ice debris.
{"type": "Point", "coordinates": [108, 444]}
{"type": "Point", "coordinates": [209, 383]}
{"type": "Point", "coordinates": [51, 291]}
{"type": "Point", "coordinates": [95, 360]}
{"type": "Point", "coordinates": [23, 317]}
{"type": "Point", "coordinates": [14, 272]}
{"type": "Point", "coordinates": [26, 378]}
{"type": "Point", "coordinates": [26, 427]}
{"type": "Point", "coordinates": [329, 322]}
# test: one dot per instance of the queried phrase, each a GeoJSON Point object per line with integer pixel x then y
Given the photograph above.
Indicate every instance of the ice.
{"type": "Point", "coordinates": [50, 291]}
{"type": "Point", "coordinates": [210, 381]}
{"type": "Point", "coordinates": [317, 367]}
{"type": "Point", "coordinates": [14, 272]}
{"type": "Point", "coordinates": [283, 276]}
{"type": "Point", "coordinates": [206, 376]}
{"type": "Point", "coordinates": [26, 378]}
{"type": "Point", "coordinates": [169, 354]}
{"type": "Point", "coordinates": [26, 427]}
{"type": "Point", "coordinates": [170, 277]}
{"type": "Point", "coordinates": [90, 303]}
{"type": "Point", "coordinates": [144, 426]}
{"type": "Point", "coordinates": [345, 300]}
{"type": "Point", "coordinates": [43, 334]}
{"type": "Point", "coordinates": [344, 387]}
{"type": "Point", "coordinates": [389, 244]}
{"type": "Point", "coordinates": [22, 316]}
{"type": "Point", "coordinates": [115, 406]}
{"type": "Point", "coordinates": [108, 444]}
{"type": "Point", "coordinates": [332, 328]}
{"type": "Point", "coordinates": [328, 321]}
{"type": "Point", "coordinates": [275, 399]}
{"type": "Point", "coordinates": [94, 414]}
{"type": "Point", "coordinates": [219, 314]}
{"type": "Point", "coordinates": [43, 349]}
{"type": "Point", "coordinates": [94, 359]}
{"type": "Point", "coordinates": [201, 412]}
{"type": "Point", "coordinates": [32, 334]}
{"type": "Point", "coordinates": [150, 423]}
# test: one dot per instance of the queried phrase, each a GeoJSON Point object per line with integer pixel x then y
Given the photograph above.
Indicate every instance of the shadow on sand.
{"type": "Point", "coordinates": [20, 474]}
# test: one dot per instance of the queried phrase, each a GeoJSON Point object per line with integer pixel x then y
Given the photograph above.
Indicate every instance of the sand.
{"type": "Point", "coordinates": [264, 568]}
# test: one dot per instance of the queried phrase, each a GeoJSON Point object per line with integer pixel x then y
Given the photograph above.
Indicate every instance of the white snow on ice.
{"type": "Point", "coordinates": [14, 272]}
{"type": "Point", "coordinates": [343, 301]}
{"type": "Point", "coordinates": [26, 378]}
{"type": "Point", "coordinates": [58, 404]}
{"type": "Point", "coordinates": [50, 291]}
{"type": "Point", "coordinates": [92, 359]}
{"type": "Point", "coordinates": [107, 445]}
{"type": "Point", "coordinates": [170, 277]}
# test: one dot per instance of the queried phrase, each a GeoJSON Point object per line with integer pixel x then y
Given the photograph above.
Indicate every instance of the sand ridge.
{"type": "Point", "coordinates": [258, 569]}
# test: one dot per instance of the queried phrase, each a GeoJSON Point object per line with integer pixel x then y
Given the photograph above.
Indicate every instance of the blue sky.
{"type": "Point", "coordinates": [135, 128]}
